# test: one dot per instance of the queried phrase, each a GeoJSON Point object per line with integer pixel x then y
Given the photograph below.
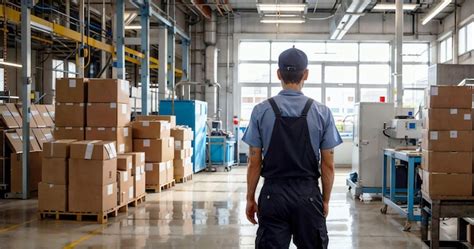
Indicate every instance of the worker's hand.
{"type": "Point", "coordinates": [251, 210]}
{"type": "Point", "coordinates": [325, 209]}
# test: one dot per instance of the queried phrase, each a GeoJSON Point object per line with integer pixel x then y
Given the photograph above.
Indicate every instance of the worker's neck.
{"type": "Point", "coordinates": [293, 87]}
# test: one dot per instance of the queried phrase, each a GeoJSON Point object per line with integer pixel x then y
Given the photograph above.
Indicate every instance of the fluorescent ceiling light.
{"type": "Point", "coordinates": [282, 15]}
{"type": "Point", "coordinates": [436, 10]}
{"type": "Point", "coordinates": [392, 6]}
{"type": "Point", "coordinates": [281, 7]}
{"type": "Point", "coordinates": [10, 64]}
{"type": "Point", "coordinates": [128, 27]}
{"type": "Point", "coordinates": [281, 20]}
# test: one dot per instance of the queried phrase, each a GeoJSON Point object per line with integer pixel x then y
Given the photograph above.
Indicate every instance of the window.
{"type": "Point", "coordinates": [416, 52]}
{"type": "Point", "coordinates": [251, 72]}
{"type": "Point", "coordinates": [373, 94]}
{"type": "Point", "coordinates": [462, 40]}
{"type": "Point", "coordinates": [72, 70]}
{"type": "Point", "coordinates": [250, 97]}
{"type": "Point", "coordinates": [374, 74]}
{"type": "Point", "coordinates": [470, 36]}
{"type": "Point", "coordinates": [379, 52]}
{"type": "Point", "coordinates": [466, 38]}
{"type": "Point", "coordinates": [313, 92]}
{"type": "Point", "coordinates": [254, 51]}
{"type": "Point", "coordinates": [446, 50]}
{"type": "Point", "coordinates": [413, 98]}
{"type": "Point", "coordinates": [340, 74]}
{"type": "Point", "coordinates": [341, 102]}
{"type": "Point", "coordinates": [415, 76]}
{"type": "Point", "coordinates": [340, 52]}
{"type": "Point", "coordinates": [58, 72]}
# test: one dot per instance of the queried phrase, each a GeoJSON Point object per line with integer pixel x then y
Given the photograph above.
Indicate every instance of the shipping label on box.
{"type": "Point", "coordinates": [181, 145]}
{"type": "Point", "coordinates": [93, 150]}
{"type": "Point", "coordinates": [447, 119]}
{"type": "Point", "coordinates": [448, 97]}
{"type": "Point", "coordinates": [138, 160]}
{"type": "Point", "coordinates": [151, 129]}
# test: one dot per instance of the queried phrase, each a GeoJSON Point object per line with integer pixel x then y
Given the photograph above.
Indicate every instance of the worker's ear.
{"type": "Point", "coordinates": [305, 75]}
{"type": "Point", "coordinates": [278, 74]}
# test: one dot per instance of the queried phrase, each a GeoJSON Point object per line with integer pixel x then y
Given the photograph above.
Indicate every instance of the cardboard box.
{"type": "Point", "coordinates": [182, 133]}
{"type": "Point", "coordinates": [48, 134]}
{"type": "Point", "coordinates": [7, 118]}
{"type": "Point", "coordinates": [125, 162]}
{"type": "Point", "coordinates": [93, 150]}
{"type": "Point", "coordinates": [470, 234]}
{"type": "Point", "coordinates": [460, 141]}
{"type": "Point", "coordinates": [448, 97]}
{"type": "Point", "coordinates": [57, 148]}
{"type": "Point", "coordinates": [16, 177]}
{"type": "Point", "coordinates": [124, 182]}
{"type": "Point", "coordinates": [52, 197]}
{"type": "Point", "coordinates": [15, 140]}
{"type": "Point", "coordinates": [180, 154]}
{"type": "Point", "coordinates": [442, 162]}
{"type": "Point", "coordinates": [151, 129]}
{"type": "Point", "coordinates": [139, 183]}
{"type": "Point", "coordinates": [441, 184]}
{"type": "Point", "coordinates": [51, 111]}
{"type": "Point", "coordinates": [138, 160]}
{"type": "Point", "coordinates": [70, 114]}
{"type": "Point", "coordinates": [92, 198]}
{"type": "Point", "coordinates": [447, 119]}
{"type": "Point", "coordinates": [121, 135]}
{"type": "Point", "coordinates": [45, 115]}
{"type": "Point", "coordinates": [156, 150]}
{"type": "Point", "coordinates": [71, 90]}
{"type": "Point", "coordinates": [170, 118]}
{"type": "Point", "coordinates": [34, 145]}
{"type": "Point", "coordinates": [182, 168]}
{"type": "Point", "coordinates": [16, 114]}
{"type": "Point", "coordinates": [92, 172]}
{"type": "Point", "coordinates": [76, 133]}
{"type": "Point", "coordinates": [108, 115]}
{"type": "Point", "coordinates": [169, 171]}
{"type": "Point", "coordinates": [156, 174]}
{"type": "Point", "coordinates": [118, 91]}
{"type": "Point", "coordinates": [181, 145]}
{"type": "Point", "coordinates": [35, 114]}
{"type": "Point", "coordinates": [40, 138]}
{"type": "Point", "coordinates": [55, 171]}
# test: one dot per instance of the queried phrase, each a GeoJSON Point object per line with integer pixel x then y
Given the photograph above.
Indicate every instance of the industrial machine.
{"type": "Point", "coordinates": [221, 149]}
{"type": "Point", "coordinates": [404, 131]}
{"type": "Point", "coordinates": [192, 113]}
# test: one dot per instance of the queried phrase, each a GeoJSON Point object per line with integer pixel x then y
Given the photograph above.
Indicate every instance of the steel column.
{"type": "Point", "coordinates": [145, 47]}
{"type": "Point", "coordinates": [399, 52]}
{"type": "Point", "coordinates": [185, 60]}
{"type": "Point", "coordinates": [171, 60]}
{"type": "Point", "coordinates": [103, 56]}
{"type": "Point", "coordinates": [26, 6]}
{"type": "Point", "coordinates": [81, 66]}
{"type": "Point", "coordinates": [163, 58]}
{"type": "Point", "coordinates": [120, 29]}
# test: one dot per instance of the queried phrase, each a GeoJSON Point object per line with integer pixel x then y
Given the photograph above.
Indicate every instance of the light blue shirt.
{"type": "Point", "coordinates": [322, 130]}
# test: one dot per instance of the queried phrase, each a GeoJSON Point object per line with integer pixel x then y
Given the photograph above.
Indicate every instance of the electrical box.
{"type": "Point", "coordinates": [406, 128]}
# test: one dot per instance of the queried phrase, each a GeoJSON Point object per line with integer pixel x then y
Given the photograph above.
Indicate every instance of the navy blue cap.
{"type": "Point", "coordinates": [292, 59]}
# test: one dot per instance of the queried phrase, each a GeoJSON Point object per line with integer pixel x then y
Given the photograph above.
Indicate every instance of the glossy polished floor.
{"type": "Point", "coordinates": [208, 212]}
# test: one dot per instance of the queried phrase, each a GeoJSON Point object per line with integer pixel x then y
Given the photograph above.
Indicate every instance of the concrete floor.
{"type": "Point", "coordinates": [208, 212]}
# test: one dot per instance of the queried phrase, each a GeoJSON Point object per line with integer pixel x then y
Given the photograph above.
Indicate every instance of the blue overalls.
{"type": "Point", "coordinates": [290, 202]}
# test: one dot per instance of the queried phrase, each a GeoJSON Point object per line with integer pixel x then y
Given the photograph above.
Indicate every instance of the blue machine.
{"type": "Point", "coordinates": [222, 151]}
{"type": "Point", "coordinates": [192, 113]}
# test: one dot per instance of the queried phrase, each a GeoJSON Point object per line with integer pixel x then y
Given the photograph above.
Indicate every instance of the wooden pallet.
{"type": "Point", "coordinates": [133, 203]}
{"type": "Point", "coordinates": [185, 179]}
{"type": "Point", "coordinates": [158, 188]}
{"type": "Point", "coordinates": [101, 217]}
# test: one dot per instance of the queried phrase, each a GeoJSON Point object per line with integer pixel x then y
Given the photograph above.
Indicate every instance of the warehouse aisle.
{"type": "Point", "coordinates": [207, 212]}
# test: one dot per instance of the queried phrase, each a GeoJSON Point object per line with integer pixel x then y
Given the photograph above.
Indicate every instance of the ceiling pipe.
{"type": "Point", "coordinates": [202, 8]}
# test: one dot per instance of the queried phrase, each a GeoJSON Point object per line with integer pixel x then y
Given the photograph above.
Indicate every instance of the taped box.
{"type": "Point", "coordinates": [448, 97]}
{"type": "Point", "coordinates": [70, 114]}
{"type": "Point", "coordinates": [182, 133]}
{"type": "Point", "coordinates": [448, 141]}
{"type": "Point", "coordinates": [108, 115]}
{"type": "Point", "coordinates": [169, 118]}
{"type": "Point", "coordinates": [76, 133]}
{"type": "Point", "coordinates": [71, 90]}
{"type": "Point", "coordinates": [57, 149]}
{"type": "Point", "coordinates": [138, 160]}
{"type": "Point", "coordinates": [93, 150]}
{"type": "Point", "coordinates": [52, 197]}
{"type": "Point", "coordinates": [151, 129]}
{"type": "Point", "coordinates": [156, 150]}
{"type": "Point", "coordinates": [118, 91]}
{"type": "Point", "coordinates": [121, 135]}
{"type": "Point", "coordinates": [438, 119]}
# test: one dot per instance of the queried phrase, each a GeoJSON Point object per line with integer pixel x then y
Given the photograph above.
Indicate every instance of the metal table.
{"type": "Point", "coordinates": [392, 196]}
{"type": "Point", "coordinates": [445, 207]}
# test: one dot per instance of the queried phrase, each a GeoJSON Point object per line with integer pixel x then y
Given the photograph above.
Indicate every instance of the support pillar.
{"type": "Point", "coordinates": [399, 52]}
{"type": "Point", "coordinates": [120, 39]}
{"type": "Point", "coordinates": [145, 47]}
{"type": "Point", "coordinates": [163, 58]}
{"type": "Point", "coordinates": [103, 55]}
{"type": "Point", "coordinates": [26, 6]}
{"type": "Point", "coordinates": [81, 65]}
{"type": "Point", "coordinates": [171, 61]}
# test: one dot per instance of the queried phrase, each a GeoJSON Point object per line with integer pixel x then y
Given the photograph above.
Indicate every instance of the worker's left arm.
{"type": "Point", "coordinates": [253, 176]}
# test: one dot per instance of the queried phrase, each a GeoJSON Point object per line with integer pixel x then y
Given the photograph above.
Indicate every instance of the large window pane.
{"type": "Point", "coordinates": [275, 91]}
{"type": "Point", "coordinates": [340, 52]}
{"type": "Point", "coordinates": [312, 49]}
{"type": "Point", "coordinates": [340, 74]}
{"type": "Point", "coordinates": [470, 37]}
{"type": "Point", "coordinates": [257, 73]}
{"type": "Point", "coordinates": [71, 69]}
{"type": "Point", "coordinates": [415, 76]}
{"type": "Point", "coordinates": [255, 51]}
{"type": "Point", "coordinates": [313, 92]}
{"type": "Point", "coordinates": [416, 52]}
{"type": "Point", "coordinates": [372, 94]}
{"type": "Point", "coordinates": [341, 102]}
{"type": "Point", "coordinates": [462, 40]}
{"type": "Point", "coordinates": [250, 97]}
{"type": "Point", "coordinates": [413, 98]}
{"type": "Point", "coordinates": [374, 74]}
{"type": "Point", "coordinates": [449, 49]}
{"type": "Point", "coordinates": [315, 74]}
{"type": "Point", "coordinates": [279, 47]}
{"type": "Point", "coordinates": [377, 52]}
{"type": "Point", "coordinates": [275, 74]}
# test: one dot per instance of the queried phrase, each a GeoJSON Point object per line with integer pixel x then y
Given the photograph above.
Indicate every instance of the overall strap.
{"type": "Point", "coordinates": [275, 108]}
{"type": "Point", "coordinates": [308, 105]}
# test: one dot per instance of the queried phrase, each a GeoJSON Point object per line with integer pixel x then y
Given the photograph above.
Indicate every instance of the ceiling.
{"type": "Point", "coordinates": [252, 4]}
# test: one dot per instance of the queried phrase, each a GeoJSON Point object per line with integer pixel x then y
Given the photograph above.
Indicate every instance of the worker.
{"type": "Point", "coordinates": [291, 130]}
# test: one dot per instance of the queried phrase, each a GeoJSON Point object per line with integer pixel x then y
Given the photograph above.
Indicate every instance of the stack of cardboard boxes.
{"type": "Point", "coordinates": [447, 168]}
{"type": "Point", "coordinates": [70, 112]}
{"type": "Point", "coordinates": [108, 112]}
{"type": "Point", "coordinates": [53, 188]}
{"type": "Point", "coordinates": [152, 136]}
{"type": "Point", "coordinates": [134, 164]}
{"type": "Point", "coordinates": [92, 176]}
{"type": "Point", "coordinates": [182, 163]}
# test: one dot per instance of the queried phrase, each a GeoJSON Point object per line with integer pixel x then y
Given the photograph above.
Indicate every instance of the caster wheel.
{"type": "Point", "coordinates": [384, 209]}
{"type": "Point", "coordinates": [226, 169]}
{"type": "Point", "coordinates": [407, 227]}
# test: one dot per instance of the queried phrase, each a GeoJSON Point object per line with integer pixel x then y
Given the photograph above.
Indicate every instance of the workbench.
{"type": "Point", "coordinates": [392, 196]}
{"type": "Point", "coordinates": [445, 207]}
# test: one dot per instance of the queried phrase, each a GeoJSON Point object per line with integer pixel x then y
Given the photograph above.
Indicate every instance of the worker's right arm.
{"type": "Point", "coordinates": [253, 176]}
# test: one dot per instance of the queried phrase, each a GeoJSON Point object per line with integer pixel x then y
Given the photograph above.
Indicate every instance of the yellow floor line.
{"type": "Point", "coordinates": [13, 227]}
{"type": "Point", "coordinates": [88, 236]}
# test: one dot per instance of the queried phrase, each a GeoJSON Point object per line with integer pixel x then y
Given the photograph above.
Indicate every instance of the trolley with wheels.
{"type": "Point", "coordinates": [221, 153]}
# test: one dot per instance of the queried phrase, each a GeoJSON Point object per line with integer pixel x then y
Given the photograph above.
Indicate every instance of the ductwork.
{"type": "Point", "coordinates": [346, 15]}
{"type": "Point", "coordinates": [210, 30]}
{"type": "Point", "coordinates": [210, 39]}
